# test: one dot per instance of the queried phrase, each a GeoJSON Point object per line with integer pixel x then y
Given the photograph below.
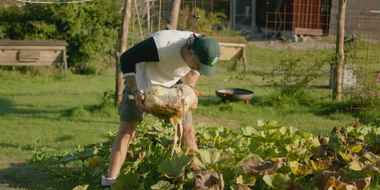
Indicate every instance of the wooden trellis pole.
{"type": "Point", "coordinates": [123, 44]}
{"type": "Point", "coordinates": [172, 21]}
{"type": "Point", "coordinates": [338, 69]}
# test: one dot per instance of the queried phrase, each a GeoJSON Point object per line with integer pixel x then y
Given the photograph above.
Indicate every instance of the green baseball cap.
{"type": "Point", "coordinates": [208, 52]}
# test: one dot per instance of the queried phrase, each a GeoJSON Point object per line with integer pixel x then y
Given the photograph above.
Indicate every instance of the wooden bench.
{"type": "Point", "coordinates": [232, 48]}
{"type": "Point", "coordinates": [33, 53]}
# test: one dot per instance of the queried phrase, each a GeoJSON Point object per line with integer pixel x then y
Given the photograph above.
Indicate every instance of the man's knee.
{"type": "Point", "coordinates": [188, 129]}
{"type": "Point", "coordinates": [128, 127]}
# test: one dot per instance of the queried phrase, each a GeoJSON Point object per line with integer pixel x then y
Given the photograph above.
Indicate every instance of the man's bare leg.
{"type": "Point", "coordinates": [188, 140]}
{"type": "Point", "coordinates": [120, 147]}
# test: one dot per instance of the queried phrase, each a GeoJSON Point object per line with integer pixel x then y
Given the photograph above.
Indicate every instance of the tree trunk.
{"type": "Point", "coordinates": [338, 69]}
{"type": "Point", "coordinates": [172, 21]}
{"type": "Point", "coordinates": [123, 44]}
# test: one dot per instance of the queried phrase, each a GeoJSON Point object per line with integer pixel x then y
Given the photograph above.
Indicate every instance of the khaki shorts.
{"type": "Point", "coordinates": [128, 110]}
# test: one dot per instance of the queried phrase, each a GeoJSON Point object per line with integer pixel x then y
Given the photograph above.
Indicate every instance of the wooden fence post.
{"type": "Point", "coordinates": [172, 21]}
{"type": "Point", "coordinates": [338, 69]}
{"type": "Point", "coordinates": [123, 45]}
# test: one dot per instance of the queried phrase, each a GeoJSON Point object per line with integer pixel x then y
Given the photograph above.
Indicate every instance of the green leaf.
{"type": "Point", "coordinates": [174, 167]}
{"type": "Point", "coordinates": [81, 187]}
{"type": "Point", "coordinates": [345, 157]}
{"type": "Point", "coordinates": [260, 122]}
{"type": "Point", "coordinates": [84, 154]}
{"type": "Point", "coordinates": [371, 169]}
{"type": "Point", "coordinates": [162, 185]}
{"type": "Point", "coordinates": [271, 125]}
{"type": "Point", "coordinates": [37, 142]}
{"type": "Point", "coordinates": [277, 181]}
{"type": "Point", "coordinates": [28, 147]}
{"type": "Point", "coordinates": [66, 159]}
{"type": "Point", "coordinates": [248, 130]}
{"type": "Point", "coordinates": [255, 147]}
{"type": "Point", "coordinates": [319, 165]}
{"type": "Point", "coordinates": [191, 175]}
{"type": "Point", "coordinates": [297, 152]}
{"type": "Point", "coordinates": [300, 170]}
{"type": "Point", "coordinates": [211, 159]}
{"type": "Point", "coordinates": [166, 141]}
{"type": "Point", "coordinates": [356, 166]}
{"type": "Point", "coordinates": [355, 148]}
{"type": "Point", "coordinates": [126, 181]}
{"type": "Point", "coordinates": [246, 180]}
{"type": "Point", "coordinates": [373, 158]}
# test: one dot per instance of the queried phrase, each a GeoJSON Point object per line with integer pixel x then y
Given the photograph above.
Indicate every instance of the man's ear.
{"type": "Point", "coordinates": [190, 53]}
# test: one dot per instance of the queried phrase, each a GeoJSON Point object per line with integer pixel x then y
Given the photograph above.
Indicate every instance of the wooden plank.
{"type": "Point", "coordinates": [12, 58]}
{"type": "Point", "coordinates": [51, 56]}
{"type": "Point", "coordinates": [8, 56]}
{"type": "Point", "coordinates": [319, 14]}
{"type": "Point", "coordinates": [29, 55]}
{"type": "Point", "coordinates": [303, 13]}
{"type": "Point", "coordinates": [230, 39]}
{"type": "Point", "coordinates": [31, 63]}
{"type": "Point", "coordinates": [232, 44]}
{"type": "Point", "coordinates": [307, 14]}
{"type": "Point", "coordinates": [2, 47]}
{"type": "Point", "coordinates": [299, 14]}
{"type": "Point", "coordinates": [311, 14]}
{"type": "Point", "coordinates": [294, 14]}
{"type": "Point", "coordinates": [230, 53]}
{"type": "Point", "coordinates": [33, 43]}
{"type": "Point", "coordinates": [308, 31]}
{"type": "Point", "coordinates": [232, 48]}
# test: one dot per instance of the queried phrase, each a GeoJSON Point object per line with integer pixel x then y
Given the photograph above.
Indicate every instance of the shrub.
{"type": "Point", "coordinates": [89, 29]}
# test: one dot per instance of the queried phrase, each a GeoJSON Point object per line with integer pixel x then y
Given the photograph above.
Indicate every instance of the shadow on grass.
{"type": "Point", "coordinates": [365, 116]}
{"type": "Point", "coordinates": [7, 145]}
{"type": "Point", "coordinates": [34, 176]}
{"type": "Point", "coordinates": [65, 138]}
{"type": "Point", "coordinates": [209, 100]}
{"type": "Point", "coordinates": [7, 107]}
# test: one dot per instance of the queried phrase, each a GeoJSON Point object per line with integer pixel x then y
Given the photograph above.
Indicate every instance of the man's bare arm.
{"type": "Point", "coordinates": [139, 97]}
{"type": "Point", "coordinates": [191, 80]}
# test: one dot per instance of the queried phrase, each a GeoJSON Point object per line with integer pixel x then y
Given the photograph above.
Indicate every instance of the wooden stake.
{"type": "Point", "coordinates": [338, 69]}
{"type": "Point", "coordinates": [123, 45]}
{"type": "Point", "coordinates": [172, 21]}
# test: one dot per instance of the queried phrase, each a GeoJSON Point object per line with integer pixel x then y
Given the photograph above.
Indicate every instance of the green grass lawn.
{"type": "Point", "coordinates": [38, 107]}
{"type": "Point", "coordinates": [51, 107]}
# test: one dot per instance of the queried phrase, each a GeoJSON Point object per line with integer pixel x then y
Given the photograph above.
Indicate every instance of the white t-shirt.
{"type": "Point", "coordinates": [171, 66]}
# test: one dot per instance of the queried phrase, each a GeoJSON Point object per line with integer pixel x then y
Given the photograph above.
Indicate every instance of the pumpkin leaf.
{"type": "Point", "coordinates": [127, 181]}
{"type": "Point", "coordinates": [373, 158]}
{"type": "Point", "coordinates": [255, 168]}
{"type": "Point", "coordinates": [356, 166]}
{"type": "Point", "coordinates": [162, 185]}
{"type": "Point", "coordinates": [174, 167]}
{"type": "Point", "coordinates": [300, 170]}
{"type": "Point", "coordinates": [277, 181]}
{"type": "Point", "coordinates": [209, 179]}
{"type": "Point", "coordinates": [247, 131]}
{"type": "Point", "coordinates": [206, 159]}
{"type": "Point", "coordinates": [246, 180]}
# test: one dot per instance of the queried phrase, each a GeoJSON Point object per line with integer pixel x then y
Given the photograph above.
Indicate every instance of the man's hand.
{"type": "Point", "coordinates": [139, 97]}
{"type": "Point", "coordinates": [197, 93]}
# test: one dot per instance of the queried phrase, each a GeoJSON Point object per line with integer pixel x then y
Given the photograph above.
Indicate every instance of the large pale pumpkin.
{"type": "Point", "coordinates": [167, 103]}
{"type": "Point", "coordinates": [170, 104]}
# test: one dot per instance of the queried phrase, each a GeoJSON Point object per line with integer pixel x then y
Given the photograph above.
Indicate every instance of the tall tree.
{"type": "Point", "coordinates": [338, 69]}
{"type": "Point", "coordinates": [123, 43]}
{"type": "Point", "coordinates": [172, 21]}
